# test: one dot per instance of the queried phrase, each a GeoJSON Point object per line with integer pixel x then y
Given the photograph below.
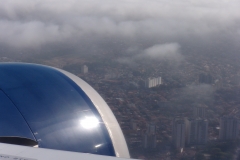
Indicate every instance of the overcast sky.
{"type": "Point", "coordinates": [152, 28]}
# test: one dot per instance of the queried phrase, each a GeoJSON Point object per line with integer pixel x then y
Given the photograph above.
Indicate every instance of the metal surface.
{"type": "Point", "coordinates": [18, 141]}
{"type": "Point", "coordinates": [58, 112]}
{"type": "Point", "coordinates": [14, 152]}
{"type": "Point", "coordinates": [11, 121]}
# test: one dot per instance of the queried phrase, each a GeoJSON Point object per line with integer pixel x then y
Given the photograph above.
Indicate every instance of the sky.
{"type": "Point", "coordinates": [152, 29]}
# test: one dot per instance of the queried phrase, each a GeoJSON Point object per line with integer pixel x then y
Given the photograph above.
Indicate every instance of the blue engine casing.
{"type": "Point", "coordinates": [58, 110]}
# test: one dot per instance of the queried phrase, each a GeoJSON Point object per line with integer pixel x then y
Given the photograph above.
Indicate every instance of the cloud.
{"type": "Point", "coordinates": [163, 51]}
{"type": "Point", "coordinates": [158, 52]}
{"type": "Point", "coordinates": [30, 34]}
{"type": "Point", "coordinates": [119, 25]}
{"type": "Point", "coordinates": [197, 94]}
{"type": "Point", "coordinates": [124, 60]}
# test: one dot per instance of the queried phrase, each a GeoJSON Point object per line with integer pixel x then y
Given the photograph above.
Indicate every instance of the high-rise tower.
{"type": "Point", "coordinates": [196, 131]}
{"type": "Point", "coordinates": [228, 128]}
{"type": "Point", "coordinates": [84, 69]}
{"type": "Point", "coordinates": [199, 112]}
{"type": "Point", "coordinates": [178, 133]}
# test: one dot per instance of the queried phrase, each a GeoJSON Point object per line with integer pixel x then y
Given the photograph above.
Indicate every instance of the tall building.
{"type": "Point", "coordinates": [150, 138]}
{"type": "Point", "coordinates": [84, 69]}
{"type": "Point", "coordinates": [199, 112]}
{"type": "Point", "coordinates": [218, 84]}
{"type": "Point", "coordinates": [178, 133]}
{"type": "Point", "coordinates": [151, 128]}
{"type": "Point", "coordinates": [205, 78]}
{"type": "Point", "coordinates": [196, 131]}
{"type": "Point", "coordinates": [133, 125]}
{"type": "Point", "coordinates": [228, 128]}
{"type": "Point", "coordinates": [153, 82]}
{"type": "Point", "coordinates": [145, 141]}
{"type": "Point", "coordinates": [149, 141]}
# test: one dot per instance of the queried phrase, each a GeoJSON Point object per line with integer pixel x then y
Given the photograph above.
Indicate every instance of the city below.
{"type": "Point", "coordinates": [168, 111]}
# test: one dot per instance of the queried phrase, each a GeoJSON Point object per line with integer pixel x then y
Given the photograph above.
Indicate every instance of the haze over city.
{"type": "Point", "coordinates": [155, 62]}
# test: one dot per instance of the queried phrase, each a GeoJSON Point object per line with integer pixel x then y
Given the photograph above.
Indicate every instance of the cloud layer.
{"type": "Point", "coordinates": [149, 25]}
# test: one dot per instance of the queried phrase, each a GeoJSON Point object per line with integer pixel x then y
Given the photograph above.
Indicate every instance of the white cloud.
{"type": "Point", "coordinates": [30, 24]}
{"type": "Point", "coordinates": [160, 51]}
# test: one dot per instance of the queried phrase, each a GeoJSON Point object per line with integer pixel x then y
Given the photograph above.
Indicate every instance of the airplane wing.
{"type": "Point", "coordinates": [17, 152]}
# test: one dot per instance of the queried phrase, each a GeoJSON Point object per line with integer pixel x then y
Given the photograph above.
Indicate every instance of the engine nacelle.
{"type": "Point", "coordinates": [58, 110]}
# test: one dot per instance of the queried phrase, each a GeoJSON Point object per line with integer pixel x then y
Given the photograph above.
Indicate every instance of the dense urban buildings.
{"type": "Point", "coordinates": [182, 94]}
{"type": "Point", "coordinates": [111, 75]}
